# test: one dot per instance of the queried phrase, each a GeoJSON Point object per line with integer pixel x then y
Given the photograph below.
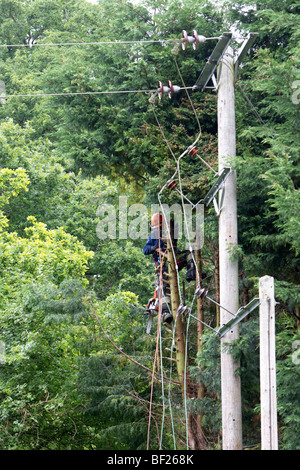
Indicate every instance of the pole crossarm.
{"type": "Point", "coordinates": [239, 316]}
{"type": "Point", "coordinates": [236, 318]}
{"type": "Point", "coordinates": [247, 44]}
{"type": "Point", "coordinates": [216, 187]}
{"type": "Point", "coordinates": [213, 60]}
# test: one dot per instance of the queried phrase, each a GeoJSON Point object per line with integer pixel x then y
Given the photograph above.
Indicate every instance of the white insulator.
{"type": "Point", "coordinates": [194, 39]}
{"type": "Point", "coordinates": [197, 39]}
{"type": "Point", "coordinates": [186, 40]}
{"type": "Point", "coordinates": [173, 89]}
{"type": "Point", "coordinates": [170, 89]}
{"type": "Point", "coordinates": [162, 89]}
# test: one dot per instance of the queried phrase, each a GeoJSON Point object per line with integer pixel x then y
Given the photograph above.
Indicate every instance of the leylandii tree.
{"type": "Point", "coordinates": [268, 143]}
{"type": "Point", "coordinates": [268, 139]}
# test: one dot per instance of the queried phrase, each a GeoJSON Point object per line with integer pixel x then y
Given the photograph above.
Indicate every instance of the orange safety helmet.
{"type": "Point", "coordinates": [156, 220]}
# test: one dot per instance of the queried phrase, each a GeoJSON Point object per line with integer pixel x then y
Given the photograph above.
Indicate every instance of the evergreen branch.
{"type": "Point", "coordinates": [122, 352]}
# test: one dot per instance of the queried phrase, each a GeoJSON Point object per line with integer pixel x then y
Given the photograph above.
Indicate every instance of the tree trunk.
{"type": "Point", "coordinates": [175, 301]}
{"type": "Point", "coordinates": [195, 432]}
{"type": "Point", "coordinates": [200, 328]}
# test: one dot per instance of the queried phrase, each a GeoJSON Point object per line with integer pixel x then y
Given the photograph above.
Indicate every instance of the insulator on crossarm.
{"type": "Point", "coordinates": [170, 89]}
{"type": "Point", "coordinates": [186, 40]}
{"type": "Point", "coordinates": [171, 184]}
{"type": "Point", "coordinates": [200, 292]}
{"type": "Point", "coordinates": [198, 38]}
{"type": "Point", "coordinates": [161, 90]}
{"type": "Point", "coordinates": [183, 309]}
{"type": "Point", "coordinates": [171, 92]}
{"type": "Point", "coordinates": [194, 39]}
{"type": "Point", "coordinates": [173, 89]}
{"type": "Point", "coordinates": [193, 151]}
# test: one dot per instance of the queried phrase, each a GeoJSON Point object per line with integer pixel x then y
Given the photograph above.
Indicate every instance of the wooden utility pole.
{"type": "Point", "coordinates": [228, 267]}
{"type": "Point", "coordinates": [269, 433]}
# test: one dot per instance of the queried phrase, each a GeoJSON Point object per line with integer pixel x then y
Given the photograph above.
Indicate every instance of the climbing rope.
{"type": "Point", "coordinates": [156, 356]}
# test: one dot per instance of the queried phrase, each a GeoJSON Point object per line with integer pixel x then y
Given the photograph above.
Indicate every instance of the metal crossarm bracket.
{"type": "Point", "coordinates": [217, 185]}
{"type": "Point", "coordinates": [213, 61]}
{"type": "Point", "coordinates": [242, 52]}
{"type": "Point", "coordinates": [215, 82]}
{"type": "Point", "coordinates": [239, 316]}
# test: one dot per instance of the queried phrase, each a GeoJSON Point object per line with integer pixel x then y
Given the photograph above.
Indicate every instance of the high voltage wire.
{"type": "Point", "coordinates": [116, 42]}
{"type": "Point", "coordinates": [98, 43]}
{"type": "Point", "coordinates": [107, 92]}
{"type": "Point", "coordinates": [76, 93]}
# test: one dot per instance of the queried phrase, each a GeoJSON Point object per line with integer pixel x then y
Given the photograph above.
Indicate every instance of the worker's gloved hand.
{"type": "Point", "coordinates": [154, 247]}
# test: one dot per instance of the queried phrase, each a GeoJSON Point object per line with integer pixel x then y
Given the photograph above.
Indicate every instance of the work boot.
{"type": "Point", "coordinates": [166, 314]}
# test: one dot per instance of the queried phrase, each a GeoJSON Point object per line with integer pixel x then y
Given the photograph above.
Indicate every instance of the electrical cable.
{"type": "Point", "coordinates": [170, 238]}
{"type": "Point", "coordinates": [152, 383]}
{"type": "Point", "coordinates": [176, 266]}
{"type": "Point", "coordinates": [192, 254]}
{"type": "Point", "coordinates": [178, 165]}
{"type": "Point", "coordinates": [107, 92]}
{"type": "Point", "coordinates": [159, 320]}
{"type": "Point", "coordinates": [99, 43]}
{"type": "Point", "coordinates": [96, 43]}
{"type": "Point", "coordinates": [254, 110]}
{"type": "Point", "coordinates": [162, 132]}
{"type": "Point", "coordinates": [171, 370]}
{"type": "Point", "coordinates": [159, 340]}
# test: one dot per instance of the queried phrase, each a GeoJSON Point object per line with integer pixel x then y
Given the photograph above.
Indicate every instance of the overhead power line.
{"type": "Point", "coordinates": [116, 42]}
{"type": "Point", "coordinates": [107, 92]}
{"type": "Point", "coordinates": [99, 43]}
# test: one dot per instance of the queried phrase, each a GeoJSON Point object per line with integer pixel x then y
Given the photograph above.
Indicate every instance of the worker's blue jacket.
{"type": "Point", "coordinates": [150, 248]}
